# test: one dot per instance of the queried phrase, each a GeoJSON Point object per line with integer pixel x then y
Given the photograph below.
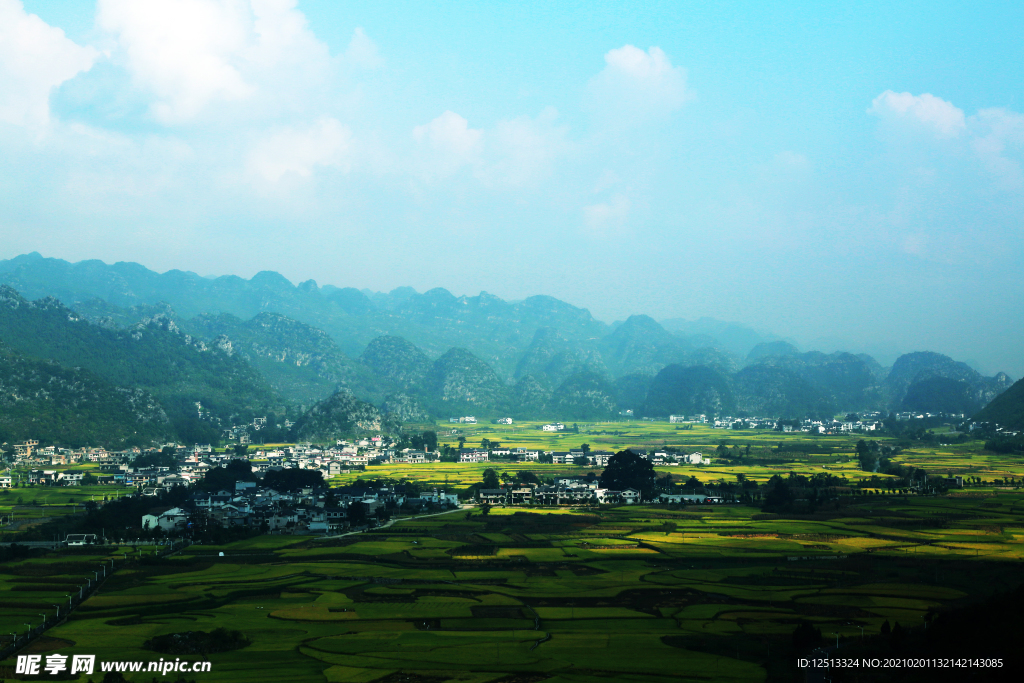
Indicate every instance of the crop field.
{"type": "Point", "coordinates": [614, 436]}
{"type": "Point", "coordinates": [639, 593]}
{"type": "Point", "coordinates": [27, 505]}
{"type": "Point", "coordinates": [35, 588]}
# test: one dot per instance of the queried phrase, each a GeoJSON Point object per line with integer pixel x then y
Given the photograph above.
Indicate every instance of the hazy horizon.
{"type": "Point", "coordinates": [849, 177]}
{"type": "Point", "coordinates": [884, 353]}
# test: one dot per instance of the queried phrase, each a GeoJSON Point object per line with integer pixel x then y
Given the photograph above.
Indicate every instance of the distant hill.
{"type": "Point", "coordinates": [72, 407]}
{"type": "Point", "coordinates": [914, 383]}
{"type": "Point", "coordinates": [772, 349]}
{"type": "Point", "coordinates": [153, 355]}
{"type": "Point", "coordinates": [242, 348]}
{"type": "Point", "coordinates": [551, 359]}
{"type": "Point", "coordinates": [398, 363]}
{"type": "Point", "coordinates": [1007, 409]}
{"type": "Point", "coordinates": [642, 345]}
{"type": "Point", "coordinates": [733, 338]}
{"type": "Point", "coordinates": [777, 390]}
{"type": "Point", "coordinates": [828, 382]}
{"type": "Point", "coordinates": [459, 382]}
{"type": "Point", "coordinates": [301, 362]}
{"type": "Point", "coordinates": [341, 416]}
{"type": "Point", "coordinates": [492, 329]}
{"type": "Point", "coordinates": [586, 395]}
{"type": "Point", "coordinates": [678, 390]}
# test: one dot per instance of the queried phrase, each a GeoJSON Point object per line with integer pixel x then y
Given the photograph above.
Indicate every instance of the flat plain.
{"type": "Point", "coordinates": [631, 593]}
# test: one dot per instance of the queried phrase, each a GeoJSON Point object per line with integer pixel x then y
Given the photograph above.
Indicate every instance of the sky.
{"type": "Point", "coordinates": [845, 174]}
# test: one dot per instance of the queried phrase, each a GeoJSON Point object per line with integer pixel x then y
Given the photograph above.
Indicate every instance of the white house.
{"type": "Point", "coordinates": [168, 520]}
{"type": "Point", "coordinates": [474, 456]}
{"type": "Point", "coordinates": [630, 496]}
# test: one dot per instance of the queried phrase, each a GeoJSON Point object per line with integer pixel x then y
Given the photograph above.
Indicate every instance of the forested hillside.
{"type": "Point", "coordinates": [70, 407]}
{"type": "Point", "coordinates": [1007, 409]}
{"type": "Point", "coordinates": [263, 346]}
{"type": "Point", "coordinates": [179, 370]}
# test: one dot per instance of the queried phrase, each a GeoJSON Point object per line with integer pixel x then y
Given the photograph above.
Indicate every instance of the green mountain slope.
{"type": "Point", "coordinates": [300, 362]}
{"type": "Point", "coordinates": [834, 382]}
{"type": "Point", "coordinates": [915, 368]}
{"type": "Point", "coordinates": [72, 407]}
{"type": "Point", "coordinates": [1007, 409]}
{"type": "Point", "coordinates": [585, 396]}
{"type": "Point", "coordinates": [154, 355]}
{"type": "Point", "coordinates": [678, 390]}
{"type": "Point", "coordinates": [551, 359]}
{"type": "Point", "coordinates": [458, 382]}
{"type": "Point", "coordinates": [397, 363]}
{"type": "Point", "coordinates": [778, 391]}
{"type": "Point", "coordinates": [341, 416]}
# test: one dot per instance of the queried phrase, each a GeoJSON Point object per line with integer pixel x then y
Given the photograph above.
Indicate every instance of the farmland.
{"type": "Point", "coordinates": [521, 595]}
{"type": "Point", "coordinates": [770, 453]}
{"type": "Point", "coordinates": [629, 593]}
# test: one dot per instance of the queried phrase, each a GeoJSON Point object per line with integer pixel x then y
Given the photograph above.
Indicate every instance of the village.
{"type": "Point", "coordinates": [311, 509]}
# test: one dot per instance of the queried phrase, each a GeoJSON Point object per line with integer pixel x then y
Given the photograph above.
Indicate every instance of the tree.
{"type": "Point", "coordinates": [585, 448]}
{"type": "Point", "coordinates": [485, 509]}
{"type": "Point", "coordinates": [225, 477]}
{"type": "Point", "coordinates": [627, 470]}
{"type": "Point", "coordinates": [430, 440]}
{"type": "Point", "coordinates": [865, 456]}
{"type": "Point", "coordinates": [806, 636]}
{"type": "Point", "coordinates": [527, 477]}
{"type": "Point", "coordinates": [293, 478]}
{"type": "Point", "coordinates": [490, 479]}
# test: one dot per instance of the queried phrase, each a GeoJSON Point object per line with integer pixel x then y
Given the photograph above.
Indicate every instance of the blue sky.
{"type": "Point", "coordinates": [847, 175]}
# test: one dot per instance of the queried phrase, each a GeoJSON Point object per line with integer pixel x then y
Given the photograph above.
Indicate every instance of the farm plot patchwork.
{"type": "Point", "coordinates": [561, 595]}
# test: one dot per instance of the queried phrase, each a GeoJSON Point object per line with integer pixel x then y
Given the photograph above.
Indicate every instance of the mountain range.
{"type": "Point", "coordinates": [212, 352]}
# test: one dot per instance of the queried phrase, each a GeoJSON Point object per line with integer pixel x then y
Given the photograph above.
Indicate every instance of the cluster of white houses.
{"type": "Point", "coordinates": [118, 467]}
{"type": "Point", "coordinates": [579, 491]}
{"type": "Point", "coordinates": [304, 511]}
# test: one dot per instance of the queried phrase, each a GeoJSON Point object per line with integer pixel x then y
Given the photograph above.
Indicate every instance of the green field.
{"type": "Point", "coordinates": [615, 594]}
{"type": "Point", "coordinates": [771, 453]}
{"type": "Point", "coordinates": [562, 595]}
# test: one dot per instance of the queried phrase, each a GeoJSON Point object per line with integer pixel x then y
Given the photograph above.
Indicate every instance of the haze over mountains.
{"type": "Point", "coordinates": [240, 348]}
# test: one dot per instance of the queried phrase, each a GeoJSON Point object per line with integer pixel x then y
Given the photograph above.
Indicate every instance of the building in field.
{"type": "Point", "coordinates": [474, 455]}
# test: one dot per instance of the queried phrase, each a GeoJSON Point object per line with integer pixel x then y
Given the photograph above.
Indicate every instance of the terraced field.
{"type": "Point", "coordinates": [624, 594]}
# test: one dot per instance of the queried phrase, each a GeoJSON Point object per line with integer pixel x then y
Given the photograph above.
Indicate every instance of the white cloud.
{"type": "Point", "coordinates": [191, 54]}
{"type": "Point", "coordinates": [362, 51]}
{"type": "Point", "coordinates": [934, 113]}
{"type": "Point", "coordinates": [291, 150]}
{"type": "Point", "coordinates": [998, 134]}
{"type": "Point", "coordinates": [604, 217]}
{"type": "Point", "coordinates": [994, 136]}
{"type": "Point", "coordinates": [35, 58]}
{"type": "Point", "coordinates": [447, 144]}
{"type": "Point", "coordinates": [636, 85]}
{"type": "Point", "coordinates": [523, 151]}
{"type": "Point", "coordinates": [515, 153]}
